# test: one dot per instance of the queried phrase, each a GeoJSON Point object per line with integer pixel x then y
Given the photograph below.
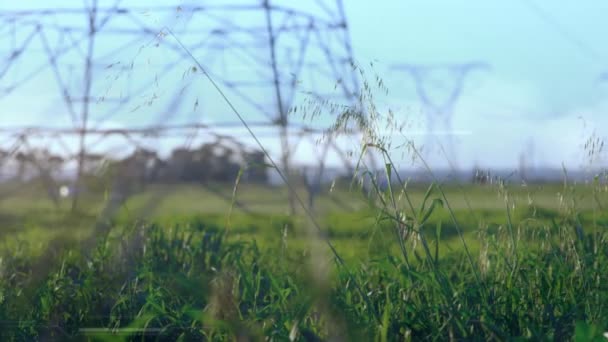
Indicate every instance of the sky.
{"type": "Point", "coordinates": [540, 96]}
{"type": "Point", "coordinates": [542, 89]}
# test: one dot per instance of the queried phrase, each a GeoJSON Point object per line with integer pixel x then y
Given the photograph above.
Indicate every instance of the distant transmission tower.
{"type": "Point", "coordinates": [440, 111]}
{"type": "Point", "coordinates": [264, 54]}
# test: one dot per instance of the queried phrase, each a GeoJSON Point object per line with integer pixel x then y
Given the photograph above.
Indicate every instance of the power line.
{"type": "Point", "coordinates": [65, 41]}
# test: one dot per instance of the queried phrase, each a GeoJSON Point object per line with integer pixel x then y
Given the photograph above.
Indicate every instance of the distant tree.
{"type": "Point", "coordinates": [183, 166]}
{"type": "Point", "coordinates": [134, 171]}
{"type": "Point", "coordinates": [45, 165]}
{"type": "Point", "coordinates": [4, 155]}
{"type": "Point", "coordinates": [22, 161]}
{"type": "Point", "coordinates": [256, 167]}
{"type": "Point", "coordinates": [211, 162]}
{"type": "Point", "coordinates": [4, 158]}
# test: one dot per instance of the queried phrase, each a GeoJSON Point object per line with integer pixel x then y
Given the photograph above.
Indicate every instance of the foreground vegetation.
{"type": "Point", "coordinates": [523, 271]}
{"type": "Point", "coordinates": [398, 261]}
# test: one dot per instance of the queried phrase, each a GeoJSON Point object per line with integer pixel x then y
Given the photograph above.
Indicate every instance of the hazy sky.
{"type": "Point", "coordinates": [546, 57]}
{"type": "Point", "coordinates": [542, 93]}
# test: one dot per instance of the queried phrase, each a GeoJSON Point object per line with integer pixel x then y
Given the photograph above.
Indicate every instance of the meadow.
{"type": "Point", "coordinates": [376, 258]}
{"type": "Point", "coordinates": [500, 261]}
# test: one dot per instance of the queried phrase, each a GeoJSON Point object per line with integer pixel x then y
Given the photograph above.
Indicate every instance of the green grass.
{"type": "Point", "coordinates": [176, 265]}
{"type": "Point", "coordinates": [503, 262]}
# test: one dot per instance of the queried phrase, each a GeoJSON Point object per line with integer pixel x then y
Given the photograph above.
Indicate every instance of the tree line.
{"type": "Point", "coordinates": [212, 162]}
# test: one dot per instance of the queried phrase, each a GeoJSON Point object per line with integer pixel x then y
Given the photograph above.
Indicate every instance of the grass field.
{"type": "Point", "coordinates": [261, 213]}
{"type": "Point", "coordinates": [189, 262]}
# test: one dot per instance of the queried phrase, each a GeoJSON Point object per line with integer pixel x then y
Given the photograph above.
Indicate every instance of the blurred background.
{"type": "Point", "coordinates": [111, 97]}
{"type": "Point", "coordinates": [303, 170]}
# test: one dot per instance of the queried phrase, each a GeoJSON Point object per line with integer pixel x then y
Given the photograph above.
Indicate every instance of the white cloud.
{"type": "Point", "coordinates": [505, 122]}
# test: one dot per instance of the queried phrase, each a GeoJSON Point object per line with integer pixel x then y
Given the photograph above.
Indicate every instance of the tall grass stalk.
{"type": "Point", "coordinates": [339, 260]}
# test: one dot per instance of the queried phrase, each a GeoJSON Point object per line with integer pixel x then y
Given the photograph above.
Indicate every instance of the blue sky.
{"type": "Point", "coordinates": [546, 57]}
{"type": "Point", "coordinates": [541, 96]}
{"type": "Point", "coordinates": [560, 51]}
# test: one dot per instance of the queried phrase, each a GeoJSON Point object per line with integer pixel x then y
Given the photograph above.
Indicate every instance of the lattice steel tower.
{"type": "Point", "coordinates": [103, 71]}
